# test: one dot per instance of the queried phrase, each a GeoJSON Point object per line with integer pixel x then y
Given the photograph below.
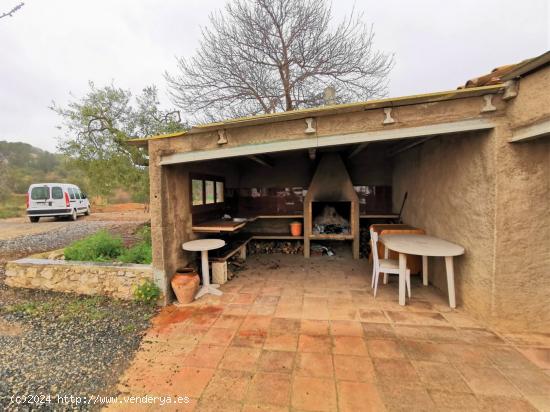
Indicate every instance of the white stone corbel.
{"type": "Point", "coordinates": [388, 119]}
{"type": "Point", "coordinates": [309, 129]}
{"type": "Point", "coordinates": [222, 137]}
{"type": "Point", "coordinates": [510, 90]}
{"type": "Point", "coordinates": [489, 107]}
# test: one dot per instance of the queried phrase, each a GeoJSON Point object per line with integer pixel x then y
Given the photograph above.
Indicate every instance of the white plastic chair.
{"type": "Point", "coordinates": [385, 266]}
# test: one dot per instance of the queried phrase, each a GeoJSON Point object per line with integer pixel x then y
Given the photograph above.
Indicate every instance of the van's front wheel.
{"type": "Point", "coordinates": [74, 216]}
{"type": "Point", "coordinates": [34, 219]}
{"type": "Point", "coordinates": [88, 211]}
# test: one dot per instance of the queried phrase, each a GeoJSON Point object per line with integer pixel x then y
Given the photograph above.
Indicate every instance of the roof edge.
{"type": "Point", "coordinates": [528, 66]}
{"type": "Point", "coordinates": [328, 110]}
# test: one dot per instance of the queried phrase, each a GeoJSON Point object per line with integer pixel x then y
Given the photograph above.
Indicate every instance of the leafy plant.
{"type": "Point", "coordinates": [139, 253]}
{"type": "Point", "coordinates": [147, 293]}
{"type": "Point", "coordinates": [100, 247]}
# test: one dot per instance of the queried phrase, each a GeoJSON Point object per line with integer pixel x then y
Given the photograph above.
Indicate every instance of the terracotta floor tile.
{"type": "Point", "coordinates": [317, 365]}
{"type": "Point", "coordinates": [314, 343]}
{"type": "Point", "coordinates": [378, 330]}
{"type": "Point", "coordinates": [542, 402]}
{"type": "Point", "coordinates": [432, 333]}
{"type": "Point", "coordinates": [314, 327]}
{"type": "Point", "coordinates": [204, 356]}
{"type": "Point", "coordinates": [460, 353]}
{"type": "Point", "coordinates": [504, 403]}
{"type": "Point", "coordinates": [343, 313]}
{"type": "Point", "coordinates": [266, 300]}
{"type": "Point", "coordinates": [229, 322]}
{"type": "Point", "coordinates": [218, 336]}
{"type": "Point", "coordinates": [250, 338]}
{"type": "Point", "coordinates": [264, 408]}
{"type": "Point", "coordinates": [228, 384]}
{"type": "Point", "coordinates": [191, 381]}
{"type": "Point", "coordinates": [244, 298]}
{"type": "Point", "coordinates": [346, 328]}
{"type": "Point", "coordinates": [539, 356]}
{"type": "Point", "coordinates": [313, 394]}
{"type": "Point", "coordinates": [454, 401]}
{"type": "Point", "coordinates": [487, 381]}
{"type": "Point", "coordinates": [359, 396]}
{"type": "Point", "coordinates": [480, 336]}
{"type": "Point", "coordinates": [353, 368]}
{"type": "Point", "coordinates": [237, 309]}
{"type": "Point", "coordinates": [284, 342]}
{"type": "Point", "coordinates": [443, 376]}
{"type": "Point", "coordinates": [270, 388]}
{"type": "Point", "coordinates": [417, 318]}
{"type": "Point", "coordinates": [276, 361]}
{"type": "Point", "coordinates": [349, 345]}
{"type": "Point", "coordinates": [282, 326]}
{"type": "Point", "coordinates": [240, 358]}
{"type": "Point", "coordinates": [541, 340]}
{"type": "Point", "coordinates": [389, 371]}
{"type": "Point", "coordinates": [218, 405]}
{"type": "Point", "coordinates": [421, 350]}
{"type": "Point", "coordinates": [505, 357]}
{"type": "Point", "coordinates": [263, 310]}
{"type": "Point", "coordinates": [384, 348]}
{"type": "Point", "coordinates": [528, 381]}
{"type": "Point", "coordinates": [406, 398]}
{"type": "Point", "coordinates": [373, 315]}
{"type": "Point", "coordinates": [256, 322]}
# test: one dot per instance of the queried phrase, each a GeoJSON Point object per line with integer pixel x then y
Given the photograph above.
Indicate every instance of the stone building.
{"type": "Point", "coordinates": [475, 163]}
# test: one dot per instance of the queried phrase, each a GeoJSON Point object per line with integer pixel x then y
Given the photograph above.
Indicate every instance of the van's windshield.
{"type": "Point", "coordinates": [40, 193]}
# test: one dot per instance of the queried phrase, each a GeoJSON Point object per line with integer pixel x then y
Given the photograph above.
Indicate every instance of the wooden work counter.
{"type": "Point", "coordinates": [220, 225]}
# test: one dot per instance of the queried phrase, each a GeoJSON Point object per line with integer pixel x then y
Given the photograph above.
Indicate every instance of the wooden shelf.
{"type": "Point", "coordinates": [331, 237]}
{"type": "Point", "coordinates": [281, 216]}
{"type": "Point", "coordinates": [276, 236]}
{"type": "Point", "coordinates": [379, 216]}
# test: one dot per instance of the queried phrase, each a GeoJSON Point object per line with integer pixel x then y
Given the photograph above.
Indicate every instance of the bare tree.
{"type": "Point", "coordinates": [12, 11]}
{"type": "Point", "coordinates": [263, 56]}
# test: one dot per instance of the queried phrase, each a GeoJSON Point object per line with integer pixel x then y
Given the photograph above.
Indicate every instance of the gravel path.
{"type": "Point", "coordinates": [63, 344]}
{"type": "Point", "coordinates": [57, 238]}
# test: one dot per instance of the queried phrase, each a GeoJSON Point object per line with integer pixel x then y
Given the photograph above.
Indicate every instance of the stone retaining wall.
{"type": "Point", "coordinates": [79, 277]}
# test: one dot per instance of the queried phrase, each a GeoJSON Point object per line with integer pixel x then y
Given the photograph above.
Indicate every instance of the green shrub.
{"type": "Point", "coordinates": [100, 247]}
{"type": "Point", "coordinates": [139, 253]}
{"type": "Point", "coordinates": [147, 293]}
{"type": "Point", "coordinates": [144, 234]}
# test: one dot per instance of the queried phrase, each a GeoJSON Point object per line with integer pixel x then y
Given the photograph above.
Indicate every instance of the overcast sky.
{"type": "Point", "coordinates": [50, 49]}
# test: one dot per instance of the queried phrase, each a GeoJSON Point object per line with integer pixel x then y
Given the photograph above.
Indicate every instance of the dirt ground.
{"type": "Point", "coordinates": [20, 226]}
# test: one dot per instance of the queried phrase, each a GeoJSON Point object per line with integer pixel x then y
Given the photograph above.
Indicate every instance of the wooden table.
{"type": "Point", "coordinates": [203, 246]}
{"type": "Point", "coordinates": [424, 246]}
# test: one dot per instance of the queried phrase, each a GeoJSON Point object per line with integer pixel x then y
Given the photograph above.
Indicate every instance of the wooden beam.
{"type": "Point", "coordinates": [406, 146]}
{"type": "Point", "coordinates": [283, 145]}
{"type": "Point", "coordinates": [261, 160]}
{"type": "Point", "coordinates": [531, 132]}
{"type": "Point", "coordinates": [358, 150]}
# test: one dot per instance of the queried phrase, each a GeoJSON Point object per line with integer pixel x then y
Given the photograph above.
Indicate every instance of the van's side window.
{"type": "Point", "coordinates": [57, 192]}
{"type": "Point", "coordinates": [71, 193]}
{"type": "Point", "coordinates": [77, 193]}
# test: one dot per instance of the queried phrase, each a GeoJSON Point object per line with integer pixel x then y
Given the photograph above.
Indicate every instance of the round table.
{"type": "Point", "coordinates": [424, 246]}
{"type": "Point", "coordinates": [203, 246]}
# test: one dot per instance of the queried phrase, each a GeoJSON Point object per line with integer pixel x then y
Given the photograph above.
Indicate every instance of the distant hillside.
{"type": "Point", "coordinates": [23, 164]}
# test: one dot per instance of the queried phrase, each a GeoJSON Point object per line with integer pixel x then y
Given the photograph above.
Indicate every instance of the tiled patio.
{"type": "Point", "coordinates": [291, 334]}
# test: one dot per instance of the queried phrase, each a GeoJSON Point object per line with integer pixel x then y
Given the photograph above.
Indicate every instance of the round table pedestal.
{"type": "Point", "coordinates": [207, 287]}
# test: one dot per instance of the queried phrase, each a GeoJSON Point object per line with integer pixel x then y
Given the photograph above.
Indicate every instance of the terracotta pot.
{"type": "Point", "coordinates": [296, 228]}
{"type": "Point", "coordinates": [185, 284]}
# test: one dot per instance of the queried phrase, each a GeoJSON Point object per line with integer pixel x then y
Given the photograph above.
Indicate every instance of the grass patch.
{"type": "Point", "coordinates": [104, 247]}
{"type": "Point", "coordinates": [99, 247]}
{"type": "Point", "coordinates": [13, 206]}
{"type": "Point", "coordinates": [85, 308]}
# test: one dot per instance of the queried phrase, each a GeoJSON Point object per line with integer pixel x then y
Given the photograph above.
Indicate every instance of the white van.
{"type": "Point", "coordinates": [56, 199]}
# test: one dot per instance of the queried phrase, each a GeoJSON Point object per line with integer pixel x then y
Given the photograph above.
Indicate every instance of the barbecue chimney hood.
{"type": "Point", "coordinates": [331, 184]}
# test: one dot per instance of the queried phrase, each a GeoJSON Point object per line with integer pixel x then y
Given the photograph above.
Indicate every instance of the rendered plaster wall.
{"type": "Point", "coordinates": [522, 264]}
{"type": "Point", "coordinates": [450, 183]}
